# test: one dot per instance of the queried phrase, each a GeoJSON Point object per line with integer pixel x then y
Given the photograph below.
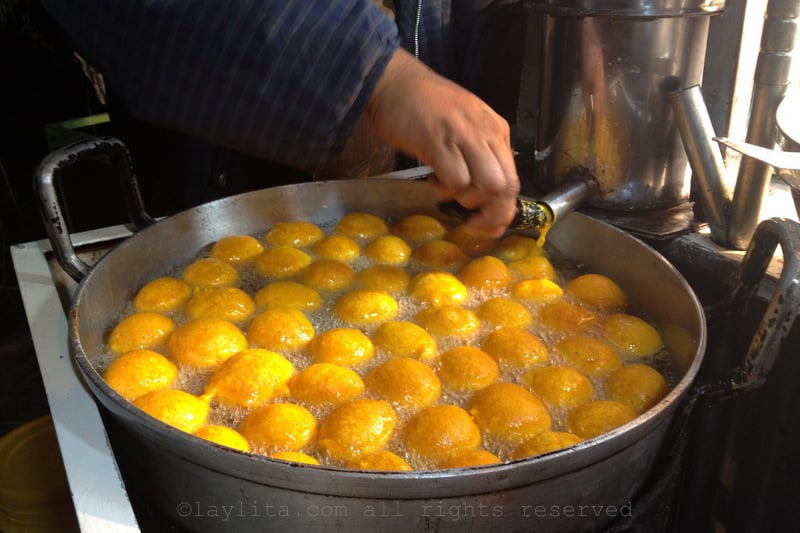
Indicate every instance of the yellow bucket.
{"type": "Point", "coordinates": [34, 493]}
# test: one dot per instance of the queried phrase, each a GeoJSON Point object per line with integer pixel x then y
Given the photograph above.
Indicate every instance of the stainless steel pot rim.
{"type": "Point", "coordinates": [629, 8]}
{"type": "Point", "coordinates": [262, 469]}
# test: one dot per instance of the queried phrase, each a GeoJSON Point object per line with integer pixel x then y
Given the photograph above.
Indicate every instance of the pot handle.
{"type": "Point", "coordinates": [781, 311]}
{"type": "Point", "coordinates": [50, 170]}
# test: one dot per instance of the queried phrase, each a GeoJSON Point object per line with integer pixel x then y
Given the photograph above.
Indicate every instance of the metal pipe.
{"type": "Point", "coordinates": [712, 192]}
{"type": "Point", "coordinates": [779, 39]}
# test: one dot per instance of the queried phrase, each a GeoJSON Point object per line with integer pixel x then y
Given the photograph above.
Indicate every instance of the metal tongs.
{"type": "Point", "coordinates": [537, 215]}
{"type": "Point", "coordinates": [775, 158]}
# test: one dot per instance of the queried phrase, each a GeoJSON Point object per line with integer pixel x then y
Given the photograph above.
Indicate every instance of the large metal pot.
{"type": "Point", "coordinates": [205, 487]}
{"type": "Point", "coordinates": [607, 68]}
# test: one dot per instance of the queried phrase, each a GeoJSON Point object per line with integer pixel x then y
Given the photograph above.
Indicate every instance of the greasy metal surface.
{"type": "Point", "coordinates": [603, 101]}
{"type": "Point", "coordinates": [657, 224]}
{"type": "Point", "coordinates": [772, 79]}
{"type": "Point", "coordinates": [601, 471]}
{"type": "Point", "coordinates": [730, 210]}
{"type": "Point", "coordinates": [713, 193]}
{"type": "Point", "coordinates": [781, 311]}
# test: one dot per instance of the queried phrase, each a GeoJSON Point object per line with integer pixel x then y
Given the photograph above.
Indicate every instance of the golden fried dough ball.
{"type": "Point", "coordinates": [405, 339]}
{"type": "Point", "coordinates": [634, 336]}
{"type": "Point", "coordinates": [363, 307]}
{"type": "Point", "coordinates": [361, 226]}
{"type": "Point", "coordinates": [597, 291]}
{"type": "Point", "coordinates": [223, 435]}
{"type": "Point", "coordinates": [404, 382]}
{"type": "Point", "coordinates": [328, 275]}
{"type": "Point", "coordinates": [439, 254]}
{"type": "Point", "coordinates": [588, 354]}
{"type": "Point", "coordinates": [468, 368]}
{"type": "Point", "coordinates": [299, 233]}
{"type": "Point", "coordinates": [515, 347]}
{"type": "Point", "coordinates": [540, 291]}
{"type": "Point", "coordinates": [140, 330]}
{"type": "Point", "coordinates": [236, 249]}
{"type": "Point", "coordinates": [545, 442]}
{"type": "Point", "coordinates": [559, 387]}
{"type": "Point", "coordinates": [204, 343]}
{"type": "Point", "coordinates": [470, 458]}
{"type": "Point", "coordinates": [341, 346]}
{"type": "Point", "coordinates": [210, 272]}
{"type": "Point", "coordinates": [326, 383]}
{"type": "Point", "coordinates": [387, 250]}
{"type": "Point", "coordinates": [598, 417]}
{"type": "Point", "coordinates": [637, 385]}
{"type": "Point", "coordinates": [485, 273]}
{"type": "Point", "coordinates": [279, 427]}
{"type": "Point", "coordinates": [295, 457]}
{"type": "Point", "coordinates": [288, 294]}
{"type": "Point", "coordinates": [472, 242]}
{"type": "Point", "coordinates": [681, 342]}
{"type": "Point", "coordinates": [338, 247]}
{"type": "Point", "coordinates": [136, 373]}
{"type": "Point", "coordinates": [441, 431]}
{"type": "Point", "coordinates": [419, 228]}
{"type": "Point", "coordinates": [162, 295]}
{"type": "Point", "coordinates": [177, 408]}
{"type": "Point", "coordinates": [448, 322]}
{"type": "Point", "coordinates": [508, 413]}
{"type": "Point", "coordinates": [386, 278]}
{"type": "Point", "coordinates": [281, 330]}
{"type": "Point", "coordinates": [504, 312]}
{"type": "Point", "coordinates": [226, 303]}
{"type": "Point", "coordinates": [282, 262]}
{"type": "Point", "coordinates": [437, 288]}
{"type": "Point", "coordinates": [534, 267]}
{"type": "Point", "coordinates": [566, 317]}
{"type": "Point", "coordinates": [381, 460]}
{"type": "Point", "coordinates": [356, 428]}
{"type": "Point", "coordinates": [250, 378]}
{"type": "Point", "coordinates": [516, 247]}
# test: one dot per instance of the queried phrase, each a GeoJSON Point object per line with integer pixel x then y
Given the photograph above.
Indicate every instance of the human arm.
{"type": "Point", "coordinates": [283, 81]}
{"type": "Point", "coordinates": [287, 81]}
{"type": "Point", "coordinates": [452, 130]}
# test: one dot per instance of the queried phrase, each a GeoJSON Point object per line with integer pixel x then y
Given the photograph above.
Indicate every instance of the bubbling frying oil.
{"type": "Point", "coordinates": [324, 318]}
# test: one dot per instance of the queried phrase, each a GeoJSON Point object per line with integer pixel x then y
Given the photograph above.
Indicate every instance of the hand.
{"type": "Point", "coordinates": [447, 127]}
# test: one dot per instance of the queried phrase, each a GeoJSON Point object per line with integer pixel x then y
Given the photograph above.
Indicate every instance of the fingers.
{"type": "Point", "coordinates": [447, 127]}
{"type": "Point", "coordinates": [491, 189]}
{"type": "Point", "coordinates": [480, 174]}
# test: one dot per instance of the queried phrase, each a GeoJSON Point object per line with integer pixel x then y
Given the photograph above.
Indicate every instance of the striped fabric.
{"type": "Point", "coordinates": [282, 80]}
{"type": "Point", "coordinates": [279, 79]}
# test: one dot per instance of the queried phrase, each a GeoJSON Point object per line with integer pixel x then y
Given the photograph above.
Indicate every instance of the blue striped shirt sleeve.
{"type": "Point", "coordinates": [282, 80]}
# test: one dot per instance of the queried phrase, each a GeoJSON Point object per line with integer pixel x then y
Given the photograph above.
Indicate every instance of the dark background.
{"type": "Point", "coordinates": [41, 85]}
